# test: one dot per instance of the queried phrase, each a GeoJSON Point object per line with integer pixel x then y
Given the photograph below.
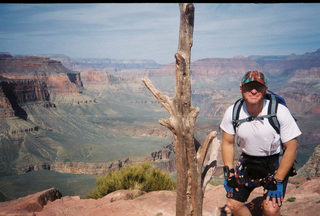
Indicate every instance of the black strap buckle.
{"type": "Point", "coordinates": [227, 171]}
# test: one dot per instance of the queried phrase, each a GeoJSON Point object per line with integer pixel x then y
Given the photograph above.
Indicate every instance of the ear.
{"type": "Point", "coordinates": [240, 88]}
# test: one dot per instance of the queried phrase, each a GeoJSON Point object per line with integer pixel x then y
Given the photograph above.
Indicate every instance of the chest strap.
{"type": "Point", "coordinates": [237, 123]}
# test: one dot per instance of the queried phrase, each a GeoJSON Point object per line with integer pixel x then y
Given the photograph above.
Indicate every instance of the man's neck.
{"type": "Point", "coordinates": [255, 109]}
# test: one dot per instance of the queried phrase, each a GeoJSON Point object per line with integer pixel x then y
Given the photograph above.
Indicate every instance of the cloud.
{"type": "Point", "coordinates": [118, 29]}
{"type": "Point", "coordinates": [150, 30]}
{"type": "Point", "coordinates": [248, 29]}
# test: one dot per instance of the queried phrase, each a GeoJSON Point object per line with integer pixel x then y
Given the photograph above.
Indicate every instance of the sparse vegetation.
{"type": "Point", "coordinates": [133, 195]}
{"type": "Point", "coordinates": [297, 184]}
{"type": "Point", "coordinates": [142, 177]}
{"type": "Point", "coordinates": [291, 199]}
{"type": "Point", "coordinates": [216, 181]}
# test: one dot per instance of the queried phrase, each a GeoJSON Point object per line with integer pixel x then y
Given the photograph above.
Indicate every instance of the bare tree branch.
{"type": "Point", "coordinates": [207, 174]}
{"type": "Point", "coordinates": [169, 124]}
{"type": "Point", "coordinates": [163, 99]}
{"type": "Point", "coordinates": [194, 113]}
{"type": "Point", "coordinates": [210, 163]}
{"type": "Point", "coordinates": [202, 152]}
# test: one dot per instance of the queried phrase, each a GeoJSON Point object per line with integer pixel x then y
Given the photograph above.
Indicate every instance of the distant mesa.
{"type": "Point", "coordinates": [5, 55]}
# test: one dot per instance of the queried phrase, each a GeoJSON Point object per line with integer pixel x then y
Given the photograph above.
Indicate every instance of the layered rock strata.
{"type": "Point", "coordinates": [31, 80]}
{"type": "Point", "coordinates": [163, 159]}
{"type": "Point", "coordinates": [80, 167]}
{"type": "Point", "coordinates": [311, 168]}
{"type": "Point", "coordinates": [6, 109]}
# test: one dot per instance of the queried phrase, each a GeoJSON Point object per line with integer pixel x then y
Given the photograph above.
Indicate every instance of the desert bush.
{"type": "Point", "coordinates": [291, 199]}
{"type": "Point", "coordinates": [217, 181]}
{"type": "Point", "coordinates": [140, 177]}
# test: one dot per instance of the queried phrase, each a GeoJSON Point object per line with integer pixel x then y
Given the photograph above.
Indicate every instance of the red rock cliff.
{"type": "Point", "coordinates": [6, 109]}
{"type": "Point", "coordinates": [33, 79]}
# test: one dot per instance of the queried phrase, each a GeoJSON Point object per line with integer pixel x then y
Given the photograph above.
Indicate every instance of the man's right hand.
{"type": "Point", "coordinates": [230, 185]}
{"type": "Point", "coordinates": [229, 190]}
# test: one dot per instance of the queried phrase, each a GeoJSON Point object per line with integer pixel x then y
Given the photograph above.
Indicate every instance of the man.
{"type": "Point", "coordinates": [260, 145]}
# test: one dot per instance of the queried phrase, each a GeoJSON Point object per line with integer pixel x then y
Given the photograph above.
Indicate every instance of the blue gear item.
{"type": "Point", "coordinates": [227, 187]}
{"type": "Point", "coordinates": [229, 182]}
{"type": "Point", "coordinates": [278, 192]}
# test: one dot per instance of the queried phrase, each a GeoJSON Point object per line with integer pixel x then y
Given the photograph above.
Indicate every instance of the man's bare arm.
{"type": "Point", "coordinates": [288, 159]}
{"type": "Point", "coordinates": [227, 149]}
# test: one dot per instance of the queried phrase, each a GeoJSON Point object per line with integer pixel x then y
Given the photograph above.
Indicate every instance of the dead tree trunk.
{"type": "Point", "coordinates": [191, 173]}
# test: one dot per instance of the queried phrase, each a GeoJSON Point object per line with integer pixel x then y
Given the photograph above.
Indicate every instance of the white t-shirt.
{"type": "Point", "coordinates": [258, 137]}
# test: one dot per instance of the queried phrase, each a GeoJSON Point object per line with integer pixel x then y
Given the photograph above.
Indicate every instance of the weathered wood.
{"type": "Point", "coordinates": [191, 178]}
{"type": "Point", "coordinates": [210, 159]}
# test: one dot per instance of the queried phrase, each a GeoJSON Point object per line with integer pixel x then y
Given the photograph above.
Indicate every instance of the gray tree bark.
{"type": "Point", "coordinates": [193, 171]}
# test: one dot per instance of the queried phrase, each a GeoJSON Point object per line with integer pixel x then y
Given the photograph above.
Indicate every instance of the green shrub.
{"type": "Point", "coordinates": [217, 181]}
{"type": "Point", "coordinates": [291, 199]}
{"type": "Point", "coordinates": [141, 177]}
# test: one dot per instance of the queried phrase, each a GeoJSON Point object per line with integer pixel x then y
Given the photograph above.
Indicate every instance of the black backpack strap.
{"type": "Point", "coordinates": [238, 122]}
{"type": "Point", "coordinates": [272, 111]}
{"type": "Point", "coordinates": [236, 113]}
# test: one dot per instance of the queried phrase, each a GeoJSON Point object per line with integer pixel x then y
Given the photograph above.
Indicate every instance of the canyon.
{"type": "Point", "coordinates": [92, 116]}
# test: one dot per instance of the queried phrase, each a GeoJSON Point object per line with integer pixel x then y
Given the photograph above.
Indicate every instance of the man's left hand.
{"type": "Point", "coordinates": [276, 194]}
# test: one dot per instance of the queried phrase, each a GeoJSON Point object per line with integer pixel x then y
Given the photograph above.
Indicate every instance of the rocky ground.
{"type": "Point", "coordinates": [302, 198]}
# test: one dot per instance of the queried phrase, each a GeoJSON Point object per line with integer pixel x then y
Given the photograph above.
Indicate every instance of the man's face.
{"type": "Point", "coordinates": [253, 92]}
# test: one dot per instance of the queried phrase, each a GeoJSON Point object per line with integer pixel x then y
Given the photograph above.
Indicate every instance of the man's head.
{"type": "Point", "coordinates": [253, 87]}
{"type": "Point", "coordinates": [252, 76]}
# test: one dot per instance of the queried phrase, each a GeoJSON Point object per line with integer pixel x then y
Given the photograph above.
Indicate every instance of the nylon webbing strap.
{"type": "Point", "coordinates": [236, 113]}
{"type": "Point", "coordinates": [252, 118]}
{"type": "Point", "coordinates": [273, 110]}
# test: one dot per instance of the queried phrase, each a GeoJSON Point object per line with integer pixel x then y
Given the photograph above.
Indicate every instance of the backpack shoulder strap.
{"type": "Point", "coordinates": [236, 112]}
{"type": "Point", "coordinates": [272, 111]}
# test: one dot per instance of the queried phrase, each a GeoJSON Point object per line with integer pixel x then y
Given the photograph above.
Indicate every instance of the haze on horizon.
{"type": "Point", "coordinates": [150, 30]}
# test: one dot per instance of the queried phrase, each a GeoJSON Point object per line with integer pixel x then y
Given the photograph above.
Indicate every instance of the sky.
{"type": "Point", "coordinates": [150, 31]}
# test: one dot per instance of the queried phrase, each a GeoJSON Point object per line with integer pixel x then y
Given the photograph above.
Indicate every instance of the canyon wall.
{"type": "Point", "coordinates": [33, 79]}
{"type": "Point", "coordinates": [79, 167]}
{"type": "Point", "coordinates": [102, 64]}
{"type": "Point", "coordinates": [6, 109]}
{"type": "Point", "coordinates": [311, 169]}
{"type": "Point", "coordinates": [163, 159]}
{"type": "Point", "coordinates": [31, 65]}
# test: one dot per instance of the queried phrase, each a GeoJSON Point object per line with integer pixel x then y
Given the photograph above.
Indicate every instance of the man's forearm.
{"type": "Point", "coordinates": [288, 159]}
